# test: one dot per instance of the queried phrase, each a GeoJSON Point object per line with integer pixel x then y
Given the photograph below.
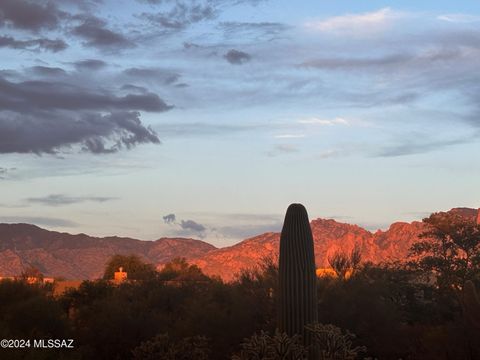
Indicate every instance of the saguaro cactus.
{"type": "Point", "coordinates": [297, 278]}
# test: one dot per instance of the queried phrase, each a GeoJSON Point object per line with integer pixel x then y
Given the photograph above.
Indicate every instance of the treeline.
{"type": "Point", "coordinates": [423, 308]}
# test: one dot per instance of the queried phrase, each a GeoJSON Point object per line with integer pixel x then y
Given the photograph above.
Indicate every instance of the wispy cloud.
{"type": "Point", "coordinates": [60, 199]}
{"type": "Point", "coordinates": [357, 23]}
{"type": "Point", "coordinates": [289, 136]}
{"type": "Point", "coordinates": [459, 18]}
{"type": "Point", "coordinates": [327, 154]}
{"type": "Point", "coordinates": [280, 149]}
{"type": "Point", "coordinates": [325, 122]}
{"type": "Point", "coordinates": [420, 145]}
{"type": "Point", "coordinates": [40, 221]}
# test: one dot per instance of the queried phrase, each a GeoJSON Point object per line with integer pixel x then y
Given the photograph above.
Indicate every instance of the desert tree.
{"type": "Point", "coordinates": [449, 249]}
{"type": "Point", "coordinates": [343, 263]}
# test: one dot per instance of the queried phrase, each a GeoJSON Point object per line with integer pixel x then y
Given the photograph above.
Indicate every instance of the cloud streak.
{"type": "Point", "coordinates": [33, 44]}
{"type": "Point", "coordinates": [61, 199]}
{"type": "Point", "coordinates": [39, 221]}
{"type": "Point", "coordinates": [369, 22]}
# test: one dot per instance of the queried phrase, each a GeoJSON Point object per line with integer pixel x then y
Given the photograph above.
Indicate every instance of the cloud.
{"type": "Point", "coordinates": [95, 133]}
{"type": "Point", "coordinates": [459, 18]}
{"type": "Point", "coordinates": [29, 15]}
{"type": "Point", "coordinates": [46, 95]}
{"type": "Point", "coordinates": [237, 57]}
{"type": "Point", "coordinates": [280, 149]}
{"type": "Point", "coordinates": [260, 30]}
{"type": "Point", "coordinates": [60, 199]}
{"type": "Point", "coordinates": [327, 154]}
{"type": "Point", "coordinates": [289, 136]}
{"type": "Point", "coordinates": [181, 15]}
{"type": "Point", "coordinates": [169, 219]}
{"type": "Point", "coordinates": [327, 122]}
{"type": "Point", "coordinates": [90, 65]}
{"type": "Point", "coordinates": [94, 30]}
{"type": "Point", "coordinates": [192, 225]}
{"type": "Point", "coordinates": [420, 145]}
{"type": "Point", "coordinates": [185, 227]}
{"type": "Point", "coordinates": [47, 71]}
{"type": "Point", "coordinates": [59, 113]}
{"type": "Point", "coordinates": [5, 172]}
{"type": "Point", "coordinates": [39, 221]}
{"type": "Point", "coordinates": [33, 44]}
{"type": "Point", "coordinates": [153, 74]}
{"type": "Point", "coordinates": [387, 62]}
{"type": "Point", "coordinates": [357, 23]}
{"type": "Point", "coordinates": [202, 129]}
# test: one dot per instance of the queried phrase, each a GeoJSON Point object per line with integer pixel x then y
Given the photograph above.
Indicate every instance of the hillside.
{"type": "Point", "coordinates": [82, 256]}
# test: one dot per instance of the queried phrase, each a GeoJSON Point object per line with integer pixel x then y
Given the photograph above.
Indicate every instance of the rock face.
{"type": "Point", "coordinates": [329, 237]}
{"type": "Point", "coordinates": [82, 256]}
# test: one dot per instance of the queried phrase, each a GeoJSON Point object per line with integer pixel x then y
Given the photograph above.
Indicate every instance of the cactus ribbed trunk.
{"type": "Point", "coordinates": [297, 278]}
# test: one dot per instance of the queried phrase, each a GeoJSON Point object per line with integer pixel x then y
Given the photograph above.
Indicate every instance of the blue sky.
{"type": "Point", "coordinates": [116, 114]}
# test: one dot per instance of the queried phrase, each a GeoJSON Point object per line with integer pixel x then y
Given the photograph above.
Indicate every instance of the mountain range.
{"type": "Point", "coordinates": [84, 257]}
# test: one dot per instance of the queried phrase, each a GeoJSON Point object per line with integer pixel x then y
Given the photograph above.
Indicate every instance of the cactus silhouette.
{"type": "Point", "coordinates": [297, 279]}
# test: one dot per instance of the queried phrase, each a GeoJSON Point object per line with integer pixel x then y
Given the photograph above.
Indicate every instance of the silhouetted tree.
{"type": "Point", "coordinates": [32, 272]}
{"type": "Point", "coordinates": [132, 264]}
{"type": "Point", "coordinates": [343, 263]}
{"type": "Point", "coordinates": [450, 250]}
{"type": "Point", "coordinates": [178, 269]}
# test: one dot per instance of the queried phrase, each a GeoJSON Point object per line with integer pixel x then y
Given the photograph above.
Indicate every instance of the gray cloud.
{"type": "Point", "coordinates": [48, 71]}
{"type": "Point", "coordinates": [153, 74]}
{"type": "Point", "coordinates": [39, 221]}
{"type": "Point", "coordinates": [384, 62]}
{"type": "Point", "coordinates": [96, 34]}
{"type": "Point", "coordinates": [5, 172]}
{"type": "Point", "coordinates": [192, 225]}
{"type": "Point", "coordinates": [29, 15]}
{"type": "Point", "coordinates": [181, 15]}
{"type": "Point", "coordinates": [268, 30]}
{"type": "Point", "coordinates": [90, 65]}
{"type": "Point", "coordinates": [45, 95]}
{"type": "Point", "coordinates": [98, 134]}
{"type": "Point", "coordinates": [33, 44]}
{"type": "Point", "coordinates": [237, 57]}
{"type": "Point", "coordinates": [202, 129]}
{"type": "Point", "coordinates": [42, 116]}
{"type": "Point", "coordinates": [169, 219]}
{"type": "Point", "coordinates": [280, 149]}
{"type": "Point", "coordinates": [60, 199]}
{"type": "Point", "coordinates": [420, 145]}
{"type": "Point", "coordinates": [134, 88]}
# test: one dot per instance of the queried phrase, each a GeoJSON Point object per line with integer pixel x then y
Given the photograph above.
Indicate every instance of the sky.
{"type": "Point", "coordinates": [207, 118]}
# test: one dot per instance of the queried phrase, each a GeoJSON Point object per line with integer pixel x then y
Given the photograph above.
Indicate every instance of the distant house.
{"type": "Point", "coordinates": [119, 276]}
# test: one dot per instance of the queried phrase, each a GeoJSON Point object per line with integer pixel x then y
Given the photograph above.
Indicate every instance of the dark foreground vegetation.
{"type": "Point", "coordinates": [423, 308]}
